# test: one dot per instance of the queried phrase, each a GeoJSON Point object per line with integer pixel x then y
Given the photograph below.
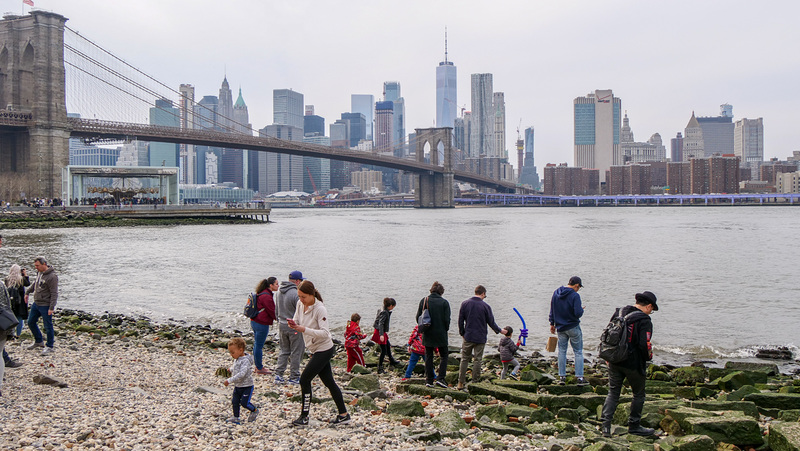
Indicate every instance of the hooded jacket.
{"type": "Point", "coordinates": [266, 305]}
{"type": "Point", "coordinates": [640, 332]}
{"type": "Point", "coordinates": [507, 348]}
{"type": "Point", "coordinates": [287, 302]}
{"type": "Point", "coordinates": [565, 309]}
{"type": "Point", "coordinates": [45, 289]}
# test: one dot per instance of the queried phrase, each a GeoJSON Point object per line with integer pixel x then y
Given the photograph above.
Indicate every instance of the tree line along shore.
{"type": "Point", "coordinates": [160, 386]}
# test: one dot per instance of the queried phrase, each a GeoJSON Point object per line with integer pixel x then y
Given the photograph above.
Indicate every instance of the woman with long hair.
{"type": "Point", "coordinates": [311, 320]}
{"type": "Point", "coordinates": [381, 336]}
{"type": "Point", "coordinates": [260, 324]}
{"type": "Point", "coordinates": [15, 282]}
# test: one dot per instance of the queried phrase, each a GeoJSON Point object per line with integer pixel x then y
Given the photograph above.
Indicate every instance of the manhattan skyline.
{"type": "Point", "coordinates": [663, 61]}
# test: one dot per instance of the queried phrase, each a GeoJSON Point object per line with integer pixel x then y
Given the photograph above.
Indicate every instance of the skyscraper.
{"type": "Point", "coordinates": [639, 152]}
{"type": "Point", "coordinates": [528, 174]}
{"type": "Point", "coordinates": [384, 127]}
{"type": "Point", "coordinates": [186, 151]}
{"type": "Point", "coordinates": [287, 108]}
{"type": "Point", "coordinates": [482, 138]}
{"type": "Point", "coordinates": [748, 143]}
{"type": "Point", "coordinates": [446, 93]}
{"type": "Point", "coordinates": [205, 118]}
{"type": "Point", "coordinates": [166, 115]}
{"type": "Point", "coordinates": [356, 127]}
{"type": "Point", "coordinates": [597, 127]}
{"type": "Point", "coordinates": [499, 106]}
{"type": "Point", "coordinates": [276, 171]}
{"type": "Point", "coordinates": [676, 148]}
{"type": "Point", "coordinates": [364, 104]}
{"type": "Point", "coordinates": [391, 93]}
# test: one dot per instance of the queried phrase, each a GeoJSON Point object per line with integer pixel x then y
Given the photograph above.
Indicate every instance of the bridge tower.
{"type": "Point", "coordinates": [32, 86]}
{"type": "Point", "coordinates": [434, 189]}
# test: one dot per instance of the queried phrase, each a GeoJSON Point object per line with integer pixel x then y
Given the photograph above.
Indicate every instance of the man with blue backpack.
{"type": "Point", "coordinates": [625, 344]}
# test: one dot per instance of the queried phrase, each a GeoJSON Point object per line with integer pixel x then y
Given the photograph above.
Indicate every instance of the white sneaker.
{"type": "Point", "coordinates": [47, 351]}
{"type": "Point", "coordinates": [36, 344]}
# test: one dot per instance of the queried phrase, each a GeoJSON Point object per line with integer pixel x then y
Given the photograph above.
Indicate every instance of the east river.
{"type": "Point", "coordinates": [726, 277]}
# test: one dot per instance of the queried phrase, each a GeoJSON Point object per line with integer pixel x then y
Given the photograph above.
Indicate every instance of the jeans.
{"type": "Point", "coordinates": [21, 323]}
{"type": "Point", "coordinates": [508, 364]}
{"type": "Point", "coordinates": [241, 397]}
{"type": "Point", "coordinates": [320, 365]}
{"type": "Point", "coordinates": [430, 375]}
{"type": "Point", "coordinates": [292, 348]}
{"type": "Point", "coordinates": [412, 362]}
{"type": "Point", "coordinates": [41, 311]}
{"type": "Point", "coordinates": [468, 351]}
{"type": "Point", "coordinates": [260, 333]}
{"type": "Point", "coordinates": [616, 375]}
{"type": "Point", "coordinates": [575, 338]}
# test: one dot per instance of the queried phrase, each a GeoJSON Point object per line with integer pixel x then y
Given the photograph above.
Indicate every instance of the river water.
{"type": "Point", "coordinates": [725, 277]}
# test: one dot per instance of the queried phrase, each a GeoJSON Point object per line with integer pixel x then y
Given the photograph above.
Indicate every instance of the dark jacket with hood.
{"type": "Point", "coordinates": [439, 308]}
{"type": "Point", "coordinates": [287, 302]}
{"type": "Point", "coordinates": [565, 309]}
{"type": "Point", "coordinates": [640, 332]}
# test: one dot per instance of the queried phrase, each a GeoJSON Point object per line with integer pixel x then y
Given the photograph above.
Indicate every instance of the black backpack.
{"type": "Point", "coordinates": [251, 307]}
{"type": "Point", "coordinates": [614, 340]}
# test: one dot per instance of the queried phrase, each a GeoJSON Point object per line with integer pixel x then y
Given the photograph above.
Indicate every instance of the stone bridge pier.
{"type": "Point", "coordinates": [435, 189]}
{"type": "Point", "coordinates": [34, 133]}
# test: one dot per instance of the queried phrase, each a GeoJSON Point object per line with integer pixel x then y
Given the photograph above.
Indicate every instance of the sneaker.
{"type": "Point", "coordinates": [606, 430]}
{"type": "Point", "coordinates": [300, 422]}
{"type": "Point", "coordinates": [38, 344]}
{"type": "Point", "coordinates": [582, 382]}
{"type": "Point", "coordinates": [341, 419]}
{"type": "Point", "coordinates": [513, 376]}
{"type": "Point", "coordinates": [429, 385]}
{"type": "Point", "coordinates": [253, 415]}
{"type": "Point", "coordinates": [440, 383]}
{"type": "Point", "coordinates": [262, 371]}
{"type": "Point", "coordinates": [13, 364]}
{"type": "Point", "coordinates": [460, 386]}
{"type": "Point", "coordinates": [234, 420]}
{"type": "Point", "coordinates": [404, 379]}
{"type": "Point", "coordinates": [47, 351]}
{"type": "Point", "coordinates": [280, 380]}
{"type": "Point", "coordinates": [294, 381]}
{"type": "Point", "coordinates": [562, 380]}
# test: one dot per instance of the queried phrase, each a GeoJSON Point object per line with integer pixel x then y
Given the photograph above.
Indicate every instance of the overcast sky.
{"type": "Point", "coordinates": [664, 59]}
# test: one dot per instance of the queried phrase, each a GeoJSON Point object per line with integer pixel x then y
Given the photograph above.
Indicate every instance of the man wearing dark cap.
{"type": "Point", "coordinates": [291, 342]}
{"type": "Point", "coordinates": [634, 368]}
{"type": "Point", "coordinates": [565, 318]}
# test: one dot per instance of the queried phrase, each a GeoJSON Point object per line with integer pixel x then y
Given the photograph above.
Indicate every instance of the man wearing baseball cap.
{"type": "Point", "coordinates": [292, 345]}
{"type": "Point", "coordinates": [565, 319]}
{"type": "Point", "coordinates": [634, 368]}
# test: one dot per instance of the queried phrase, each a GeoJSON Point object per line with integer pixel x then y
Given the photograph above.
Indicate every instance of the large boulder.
{"type": "Point", "coordinates": [541, 415]}
{"type": "Point", "coordinates": [654, 407]}
{"type": "Point", "coordinates": [421, 390]}
{"type": "Point", "coordinates": [769, 369]}
{"type": "Point", "coordinates": [504, 393]}
{"type": "Point", "coordinates": [727, 428]}
{"type": "Point", "coordinates": [364, 383]}
{"type": "Point", "coordinates": [740, 393]}
{"type": "Point", "coordinates": [531, 387]}
{"type": "Point", "coordinates": [735, 381]}
{"type": "Point", "coordinates": [501, 428]}
{"type": "Point", "coordinates": [747, 407]}
{"type": "Point", "coordinates": [693, 443]}
{"type": "Point", "coordinates": [784, 436]}
{"type": "Point", "coordinates": [689, 375]}
{"type": "Point", "coordinates": [406, 408]}
{"type": "Point", "coordinates": [566, 389]}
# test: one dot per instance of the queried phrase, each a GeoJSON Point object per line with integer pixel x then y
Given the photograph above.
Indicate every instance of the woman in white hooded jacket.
{"type": "Point", "coordinates": [311, 319]}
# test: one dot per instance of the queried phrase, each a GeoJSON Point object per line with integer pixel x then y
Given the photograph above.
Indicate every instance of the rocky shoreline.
{"type": "Point", "coordinates": [117, 382]}
{"type": "Point", "coordinates": [53, 218]}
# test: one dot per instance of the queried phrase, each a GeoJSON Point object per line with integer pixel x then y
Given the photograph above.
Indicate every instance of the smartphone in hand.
{"type": "Point", "coordinates": [290, 322]}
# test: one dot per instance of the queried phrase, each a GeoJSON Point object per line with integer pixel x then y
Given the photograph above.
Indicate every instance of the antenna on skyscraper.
{"type": "Point", "coordinates": [445, 44]}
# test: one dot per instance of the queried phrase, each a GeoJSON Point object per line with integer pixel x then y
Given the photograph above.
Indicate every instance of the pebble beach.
{"type": "Point", "coordinates": [116, 382]}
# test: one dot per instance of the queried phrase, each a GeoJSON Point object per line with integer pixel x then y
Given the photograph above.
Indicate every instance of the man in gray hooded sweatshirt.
{"type": "Point", "coordinates": [291, 342]}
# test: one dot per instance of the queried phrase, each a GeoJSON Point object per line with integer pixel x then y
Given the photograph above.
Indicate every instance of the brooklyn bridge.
{"type": "Point", "coordinates": [35, 127]}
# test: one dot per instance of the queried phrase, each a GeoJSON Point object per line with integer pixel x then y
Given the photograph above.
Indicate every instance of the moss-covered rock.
{"type": "Point", "coordinates": [495, 412]}
{"type": "Point", "coordinates": [502, 428]}
{"type": "Point", "coordinates": [735, 381]}
{"type": "Point", "coordinates": [779, 401]}
{"type": "Point", "coordinates": [789, 415]}
{"type": "Point", "coordinates": [569, 415]}
{"type": "Point", "coordinates": [727, 428]}
{"type": "Point", "coordinates": [531, 387]}
{"type": "Point", "coordinates": [516, 410]}
{"type": "Point", "coordinates": [784, 436]}
{"type": "Point", "coordinates": [747, 407]}
{"type": "Point", "coordinates": [406, 408]}
{"type": "Point", "coordinates": [606, 446]}
{"type": "Point", "coordinates": [692, 443]}
{"type": "Point", "coordinates": [739, 394]}
{"type": "Point", "coordinates": [769, 369]}
{"type": "Point", "coordinates": [689, 375]}
{"type": "Point", "coordinates": [421, 390]}
{"type": "Point", "coordinates": [364, 383]}
{"type": "Point", "coordinates": [366, 403]}
{"type": "Point", "coordinates": [449, 421]}
{"type": "Point", "coordinates": [542, 428]}
{"type": "Point", "coordinates": [566, 389]}
{"type": "Point", "coordinates": [541, 415]}
{"type": "Point", "coordinates": [504, 393]}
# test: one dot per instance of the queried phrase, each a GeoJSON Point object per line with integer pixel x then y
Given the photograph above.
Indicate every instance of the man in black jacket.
{"type": "Point", "coordinates": [634, 368]}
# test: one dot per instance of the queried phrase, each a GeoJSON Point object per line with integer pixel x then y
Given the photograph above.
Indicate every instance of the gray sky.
{"type": "Point", "coordinates": [664, 59]}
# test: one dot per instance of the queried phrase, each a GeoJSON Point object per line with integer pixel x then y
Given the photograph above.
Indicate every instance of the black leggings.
{"type": "Point", "coordinates": [386, 350]}
{"type": "Point", "coordinates": [320, 365]}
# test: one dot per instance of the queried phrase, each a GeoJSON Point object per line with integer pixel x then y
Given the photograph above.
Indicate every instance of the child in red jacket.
{"type": "Point", "coordinates": [352, 342]}
{"type": "Point", "coordinates": [417, 351]}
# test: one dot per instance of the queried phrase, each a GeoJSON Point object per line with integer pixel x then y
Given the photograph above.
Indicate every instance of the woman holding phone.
{"type": "Point", "coordinates": [311, 320]}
